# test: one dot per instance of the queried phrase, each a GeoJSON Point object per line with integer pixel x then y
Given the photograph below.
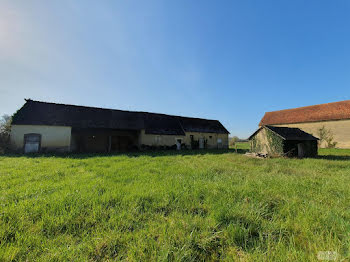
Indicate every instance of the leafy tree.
{"type": "Point", "coordinates": [5, 124]}
{"type": "Point", "coordinates": [5, 130]}
{"type": "Point", "coordinates": [326, 136]}
{"type": "Point", "coordinates": [234, 140]}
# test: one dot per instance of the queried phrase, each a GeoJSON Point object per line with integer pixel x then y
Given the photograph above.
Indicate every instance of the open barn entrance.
{"type": "Point", "coordinates": [104, 140]}
{"type": "Point", "coordinates": [301, 150]}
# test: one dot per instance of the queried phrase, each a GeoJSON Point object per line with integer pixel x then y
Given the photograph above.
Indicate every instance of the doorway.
{"type": "Point", "coordinates": [121, 143]}
{"type": "Point", "coordinates": [32, 143]}
{"type": "Point", "coordinates": [301, 150]}
{"type": "Point", "coordinates": [219, 141]}
{"type": "Point", "coordinates": [201, 143]}
{"type": "Point", "coordinates": [178, 143]}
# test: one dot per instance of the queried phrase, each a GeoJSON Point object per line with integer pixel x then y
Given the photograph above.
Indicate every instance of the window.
{"type": "Point", "coordinates": [32, 143]}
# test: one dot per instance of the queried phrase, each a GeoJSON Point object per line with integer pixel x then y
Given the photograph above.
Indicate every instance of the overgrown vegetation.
{"type": "Point", "coordinates": [191, 206]}
{"type": "Point", "coordinates": [275, 143]}
{"type": "Point", "coordinates": [5, 130]}
{"type": "Point", "coordinates": [326, 137]}
{"type": "Point", "coordinates": [256, 145]}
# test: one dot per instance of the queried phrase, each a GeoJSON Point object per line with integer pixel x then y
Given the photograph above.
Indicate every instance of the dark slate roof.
{"type": "Point", "coordinates": [43, 113]}
{"type": "Point", "coordinates": [196, 125]}
{"type": "Point", "coordinates": [288, 133]}
{"type": "Point", "coordinates": [162, 124]}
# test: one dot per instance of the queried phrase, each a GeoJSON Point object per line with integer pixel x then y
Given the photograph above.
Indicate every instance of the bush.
{"type": "Point", "coordinates": [5, 130]}
{"type": "Point", "coordinates": [326, 136]}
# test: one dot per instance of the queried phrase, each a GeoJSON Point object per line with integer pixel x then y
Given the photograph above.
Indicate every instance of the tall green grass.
{"type": "Point", "coordinates": [174, 207]}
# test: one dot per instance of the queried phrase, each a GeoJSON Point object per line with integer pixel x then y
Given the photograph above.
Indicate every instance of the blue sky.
{"type": "Point", "coordinates": [227, 60]}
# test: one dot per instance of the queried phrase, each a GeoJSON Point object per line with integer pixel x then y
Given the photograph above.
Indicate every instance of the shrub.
{"type": "Point", "coordinates": [326, 136]}
{"type": "Point", "coordinates": [5, 130]}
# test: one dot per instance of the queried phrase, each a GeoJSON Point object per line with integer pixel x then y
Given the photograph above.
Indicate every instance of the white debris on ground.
{"type": "Point", "coordinates": [256, 155]}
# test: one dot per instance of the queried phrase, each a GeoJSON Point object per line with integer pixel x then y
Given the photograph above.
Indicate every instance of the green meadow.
{"type": "Point", "coordinates": [168, 206]}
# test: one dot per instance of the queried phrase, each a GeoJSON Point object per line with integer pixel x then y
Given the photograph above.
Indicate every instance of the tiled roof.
{"type": "Point", "coordinates": [43, 113]}
{"type": "Point", "coordinates": [316, 113]}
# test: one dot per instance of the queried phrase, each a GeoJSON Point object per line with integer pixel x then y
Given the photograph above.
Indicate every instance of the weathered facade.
{"type": "Point", "coordinates": [45, 127]}
{"type": "Point", "coordinates": [283, 141]}
{"type": "Point", "coordinates": [332, 117]}
{"type": "Point", "coordinates": [57, 138]}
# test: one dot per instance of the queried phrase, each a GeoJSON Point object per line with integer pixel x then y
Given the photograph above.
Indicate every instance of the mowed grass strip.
{"type": "Point", "coordinates": [174, 207]}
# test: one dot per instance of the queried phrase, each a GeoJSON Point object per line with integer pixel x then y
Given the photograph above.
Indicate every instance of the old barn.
{"type": "Point", "coordinates": [283, 141]}
{"type": "Point", "coordinates": [45, 127]}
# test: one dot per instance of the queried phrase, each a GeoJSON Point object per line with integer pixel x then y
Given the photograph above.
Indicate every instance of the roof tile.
{"type": "Point", "coordinates": [316, 113]}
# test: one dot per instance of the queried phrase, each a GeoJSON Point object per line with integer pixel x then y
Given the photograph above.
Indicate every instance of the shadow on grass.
{"type": "Point", "coordinates": [333, 157]}
{"type": "Point", "coordinates": [133, 154]}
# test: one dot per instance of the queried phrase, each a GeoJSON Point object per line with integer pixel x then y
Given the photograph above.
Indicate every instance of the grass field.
{"type": "Point", "coordinates": [174, 207]}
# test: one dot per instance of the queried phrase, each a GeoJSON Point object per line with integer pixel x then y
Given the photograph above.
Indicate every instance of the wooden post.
{"type": "Point", "coordinates": [236, 147]}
